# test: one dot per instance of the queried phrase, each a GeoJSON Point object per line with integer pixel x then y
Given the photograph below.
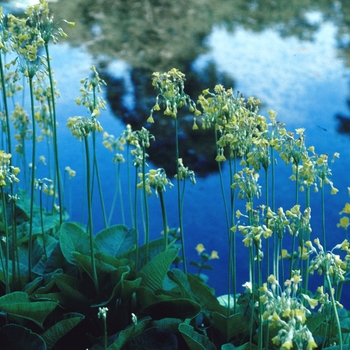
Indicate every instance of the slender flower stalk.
{"type": "Point", "coordinates": [7, 243]}
{"type": "Point", "coordinates": [89, 98]}
{"type": "Point", "coordinates": [157, 180]}
{"type": "Point", "coordinates": [32, 179]}
{"type": "Point", "coordinates": [90, 221]}
{"type": "Point", "coordinates": [102, 313]}
{"type": "Point", "coordinates": [81, 128]}
{"type": "Point", "coordinates": [171, 91]}
{"type": "Point", "coordinates": [8, 175]}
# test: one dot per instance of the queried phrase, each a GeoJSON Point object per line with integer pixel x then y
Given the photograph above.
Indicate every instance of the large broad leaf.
{"type": "Point", "coordinates": [18, 304]}
{"type": "Point", "coordinates": [181, 280]}
{"type": "Point", "coordinates": [177, 308]}
{"type": "Point", "coordinates": [70, 287]}
{"type": "Point", "coordinates": [194, 340]}
{"type": "Point", "coordinates": [115, 240]}
{"type": "Point", "coordinates": [57, 260]}
{"type": "Point", "coordinates": [146, 296]}
{"type": "Point", "coordinates": [170, 324]}
{"type": "Point", "coordinates": [123, 288]}
{"type": "Point", "coordinates": [16, 337]}
{"type": "Point", "coordinates": [230, 326]}
{"type": "Point", "coordinates": [228, 346]}
{"type": "Point", "coordinates": [247, 346]}
{"type": "Point", "coordinates": [73, 239]}
{"type": "Point", "coordinates": [153, 338]}
{"type": "Point", "coordinates": [153, 272]}
{"type": "Point", "coordinates": [84, 262]}
{"type": "Point", "coordinates": [127, 334]}
{"type": "Point", "coordinates": [204, 295]}
{"type": "Point", "coordinates": [315, 321]}
{"type": "Point", "coordinates": [23, 279]}
{"type": "Point", "coordinates": [155, 247]}
{"type": "Point", "coordinates": [58, 330]}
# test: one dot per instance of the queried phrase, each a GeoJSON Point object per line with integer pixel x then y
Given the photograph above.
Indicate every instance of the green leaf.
{"type": "Point", "coordinates": [84, 262]}
{"type": "Point", "coordinates": [153, 272]}
{"type": "Point", "coordinates": [175, 308]}
{"type": "Point", "coordinates": [16, 337]}
{"type": "Point", "coordinates": [69, 286]}
{"type": "Point", "coordinates": [154, 338]}
{"type": "Point", "coordinates": [18, 304]}
{"type": "Point", "coordinates": [73, 239]}
{"type": "Point", "coordinates": [194, 340]}
{"type": "Point", "coordinates": [155, 248]}
{"type": "Point", "coordinates": [315, 321]}
{"type": "Point", "coordinates": [230, 326]}
{"type": "Point", "coordinates": [146, 296]}
{"type": "Point", "coordinates": [58, 330]}
{"type": "Point", "coordinates": [108, 259]}
{"type": "Point", "coordinates": [170, 324]}
{"type": "Point", "coordinates": [123, 288]}
{"type": "Point", "coordinates": [204, 295]}
{"type": "Point", "coordinates": [127, 334]}
{"type": "Point", "coordinates": [115, 240]}
{"type": "Point", "coordinates": [247, 346]}
{"type": "Point", "coordinates": [181, 280]}
{"type": "Point", "coordinates": [228, 346]}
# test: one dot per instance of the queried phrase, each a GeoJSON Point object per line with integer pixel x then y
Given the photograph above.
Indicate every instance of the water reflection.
{"type": "Point", "coordinates": [157, 35]}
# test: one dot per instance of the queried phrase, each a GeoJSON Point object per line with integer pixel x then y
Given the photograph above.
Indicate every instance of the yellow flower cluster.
{"type": "Point", "coordinates": [8, 173]}
{"type": "Point", "coordinates": [81, 127]}
{"type": "Point", "coordinates": [170, 87]}
{"type": "Point", "coordinates": [155, 179]}
{"type": "Point", "coordinates": [285, 313]}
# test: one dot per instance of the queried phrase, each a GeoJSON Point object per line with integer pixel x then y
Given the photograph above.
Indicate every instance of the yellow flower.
{"type": "Point", "coordinates": [312, 302]}
{"type": "Point", "coordinates": [214, 255]}
{"type": "Point", "coordinates": [311, 344]}
{"type": "Point", "coordinates": [200, 248]}
{"type": "Point", "coordinates": [287, 345]}
{"type": "Point", "coordinates": [344, 223]}
{"type": "Point", "coordinates": [284, 253]}
{"type": "Point", "coordinates": [346, 209]}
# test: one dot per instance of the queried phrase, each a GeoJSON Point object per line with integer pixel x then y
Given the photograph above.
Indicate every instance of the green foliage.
{"type": "Point", "coordinates": [18, 306]}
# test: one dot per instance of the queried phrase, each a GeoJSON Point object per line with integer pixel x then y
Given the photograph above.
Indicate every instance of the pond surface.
{"type": "Point", "coordinates": [305, 81]}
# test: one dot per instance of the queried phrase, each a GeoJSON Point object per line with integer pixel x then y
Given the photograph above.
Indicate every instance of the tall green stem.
{"type": "Point", "coordinates": [3, 85]}
{"type": "Point", "coordinates": [42, 223]}
{"type": "Point", "coordinates": [135, 221]}
{"type": "Point", "coordinates": [165, 221]}
{"type": "Point", "coordinates": [261, 306]}
{"type": "Point", "coordinates": [324, 243]}
{"type": "Point", "coordinates": [90, 223]}
{"type": "Point", "coordinates": [267, 247]}
{"type": "Point", "coordinates": [98, 178]}
{"type": "Point", "coordinates": [7, 257]}
{"type": "Point", "coordinates": [179, 201]}
{"type": "Point", "coordinates": [118, 190]}
{"type": "Point", "coordinates": [335, 311]}
{"type": "Point", "coordinates": [145, 203]}
{"type": "Point", "coordinates": [232, 239]}
{"type": "Point", "coordinates": [32, 180]}
{"type": "Point", "coordinates": [129, 184]}
{"type": "Point", "coordinates": [9, 150]}
{"type": "Point", "coordinates": [54, 130]}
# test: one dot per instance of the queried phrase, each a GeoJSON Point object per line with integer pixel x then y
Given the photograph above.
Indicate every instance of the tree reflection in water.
{"type": "Point", "coordinates": [152, 35]}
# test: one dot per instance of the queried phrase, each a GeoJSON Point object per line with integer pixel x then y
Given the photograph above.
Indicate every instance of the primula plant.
{"type": "Point", "coordinates": [61, 281]}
